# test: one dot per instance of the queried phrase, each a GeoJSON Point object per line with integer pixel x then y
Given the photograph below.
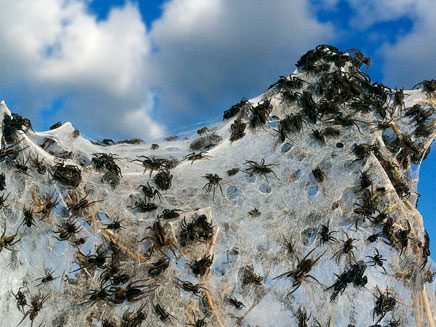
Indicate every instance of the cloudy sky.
{"type": "Point", "coordinates": [153, 68]}
{"type": "Point", "coordinates": [119, 68]}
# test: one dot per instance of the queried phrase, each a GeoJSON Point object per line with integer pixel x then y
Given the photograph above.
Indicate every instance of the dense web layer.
{"type": "Point", "coordinates": [298, 209]}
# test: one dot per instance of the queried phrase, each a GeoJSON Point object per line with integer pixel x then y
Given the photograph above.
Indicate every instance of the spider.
{"type": "Point", "coordinates": [9, 153]}
{"type": "Point", "coordinates": [319, 174]}
{"type": "Point", "coordinates": [199, 229]}
{"type": "Point", "coordinates": [93, 260]}
{"type": "Point", "coordinates": [21, 299]}
{"type": "Point", "coordinates": [302, 317]}
{"type": "Point", "coordinates": [68, 175]}
{"type": "Point", "coordinates": [365, 180]}
{"type": "Point", "coordinates": [13, 123]}
{"type": "Point", "coordinates": [346, 249]}
{"type": "Point", "coordinates": [143, 206]}
{"type": "Point", "coordinates": [114, 274]}
{"type": "Point", "coordinates": [235, 109]}
{"type": "Point", "coordinates": [402, 237]}
{"type": "Point", "coordinates": [189, 287]}
{"type": "Point", "coordinates": [384, 304]}
{"type": "Point", "coordinates": [134, 320]}
{"type": "Point", "coordinates": [289, 124]}
{"type": "Point", "coordinates": [3, 200]}
{"type": "Point", "coordinates": [347, 121]}
{"type": "Point", "coordinates": [162, 313]}
{"type": "Point", "coordinates": [309, 106]}
{"type": "Point", "coordinates": [214, 182]}
{"type": "Point", "coordinates": [362, 151]}
{"type": "Point", "coordinates": [7, 241]}
{"type": "Point", "coordinates": [290, 245]}
{"type": "Point", "coordinates": [201, 266]}
{"type": "Point", "coordinates": [353, 274]}
{"type": "Point", "coordinates": [115, 225]}
{"type": "Point", "coordinates": [359, 56]}
{"type": "Point", "coordinates": [159, 238]}
{"type": "Point", "coordinates": [399, 99]}
{"type": "Point", "coordinates": [134, 291]}
{"type": "Point", "coordinates": [326, 235]}
{"type": "Point", "coordinates": [152, 163]}
{"type": "Point", "coordinates": [427, 86]}
{"type": "Point", "coordinates": [301, 272]}
{"type": "Point", "coordinates": [254, 212]}
{"type": "Point", "coordinates": [149, 192]}
{"type": "Point", "coordinates": [425, 250]}
{"type": "Point", "coordinates": [170, 214]}
{"type": "Point", "coordinates": [163, 179]}
{"type": "Point", "coordinates": [47, 278]}
{"type": "Point", "coordinates": [249, 277]}
{"type": "Point", "coordinates": [77, 206]}
{"type": "Point", "coordinates": [196, 156]}
{"type": "Point", "coordinates": [28, 220]}
{"type": "Point", "coordinates": [204, 229]}
{"type": "Point", "coordinates": [291, 82]}
{"type": "Point", "coordinates": [39, 165]}
{"type": "Point", "coordinates": [98, 295]}
{"type": "Point", "coordinates": [202, 131]}
{"type": "Point", "coordinates": [48, 205]}
{"type": "Point", "coordinates": [188, 232]}
{"type": "Point", "coordinates": [21, 167]}
{"type": "Point", "coordinates": [106, 160]}
{"type": "Point", "coordinates": [232, 172]}
{"type": "Point", "coordinates": [260, 113]}
{"type": "Point", "coordinates": [260, 168]}
{"type": "Point", "coordinates": [36, 305]}
{"type": "Point", "coordinates": [238, 129]}
{"type": "Point", "coordinates": [156, 268]}
{"type": "Point", "coordinates": [67, 229]}
{"type": "Point", "coordinates": [319, 137]}
{"type": "Point", "coordinates": [377, 259]}
{"type": "Point", "coordinates": [198, 322]}
{"type": "Point", "coordinates": [233, 301]}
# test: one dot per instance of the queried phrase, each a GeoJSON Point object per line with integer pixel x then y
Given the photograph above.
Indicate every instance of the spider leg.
{"type": "Point", "coordinates": [307, 276]}
{"type": "Point", "coordinates": [13, 243]}
{"type": "Point", "coordinates": [12, 250]}
{"type": "Point", "coordinates": [266, 177]}
{"type": "Point", "coordinates": [137, 298]}
{"type": "Point", "coordinates": [4, 230]}
{"type": "Point", "coordinates": [221, 190]}
{"type": "Point", "coordinates": [275, 174]}
{"type": "Point", "coordinates": [25, 315]}
{"type": "Point", "coordinates": [296, 288]}
{"type": "Point", "coordinates": [289, 273]}
{"type": "Point", "coordinates": [135, 283]}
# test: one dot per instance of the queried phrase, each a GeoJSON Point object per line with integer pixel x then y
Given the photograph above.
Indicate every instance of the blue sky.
{"type": "Point", "coordinates": [119, 69]}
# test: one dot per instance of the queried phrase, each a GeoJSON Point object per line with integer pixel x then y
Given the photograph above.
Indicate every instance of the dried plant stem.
{"type": "Point", "coordinates": [427, 307]}
{"type": "Point", "coordinates": [205, 280]}
{"type": "Point", "coordinates": [176, 243]}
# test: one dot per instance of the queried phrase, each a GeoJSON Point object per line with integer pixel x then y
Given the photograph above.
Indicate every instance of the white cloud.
{"type": "Point", "coordinates": [226, 50]}
{"type": "Point", "coordinates": [372, 11]}
{"type": "Point", "coordinates": [368, 12]}
{"type": "Point", "coordinates": [413, 57]}
{"type": "Point", "coordinates": [59, 49]}
{"type": "Point", "coordinates": [209, 53]}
